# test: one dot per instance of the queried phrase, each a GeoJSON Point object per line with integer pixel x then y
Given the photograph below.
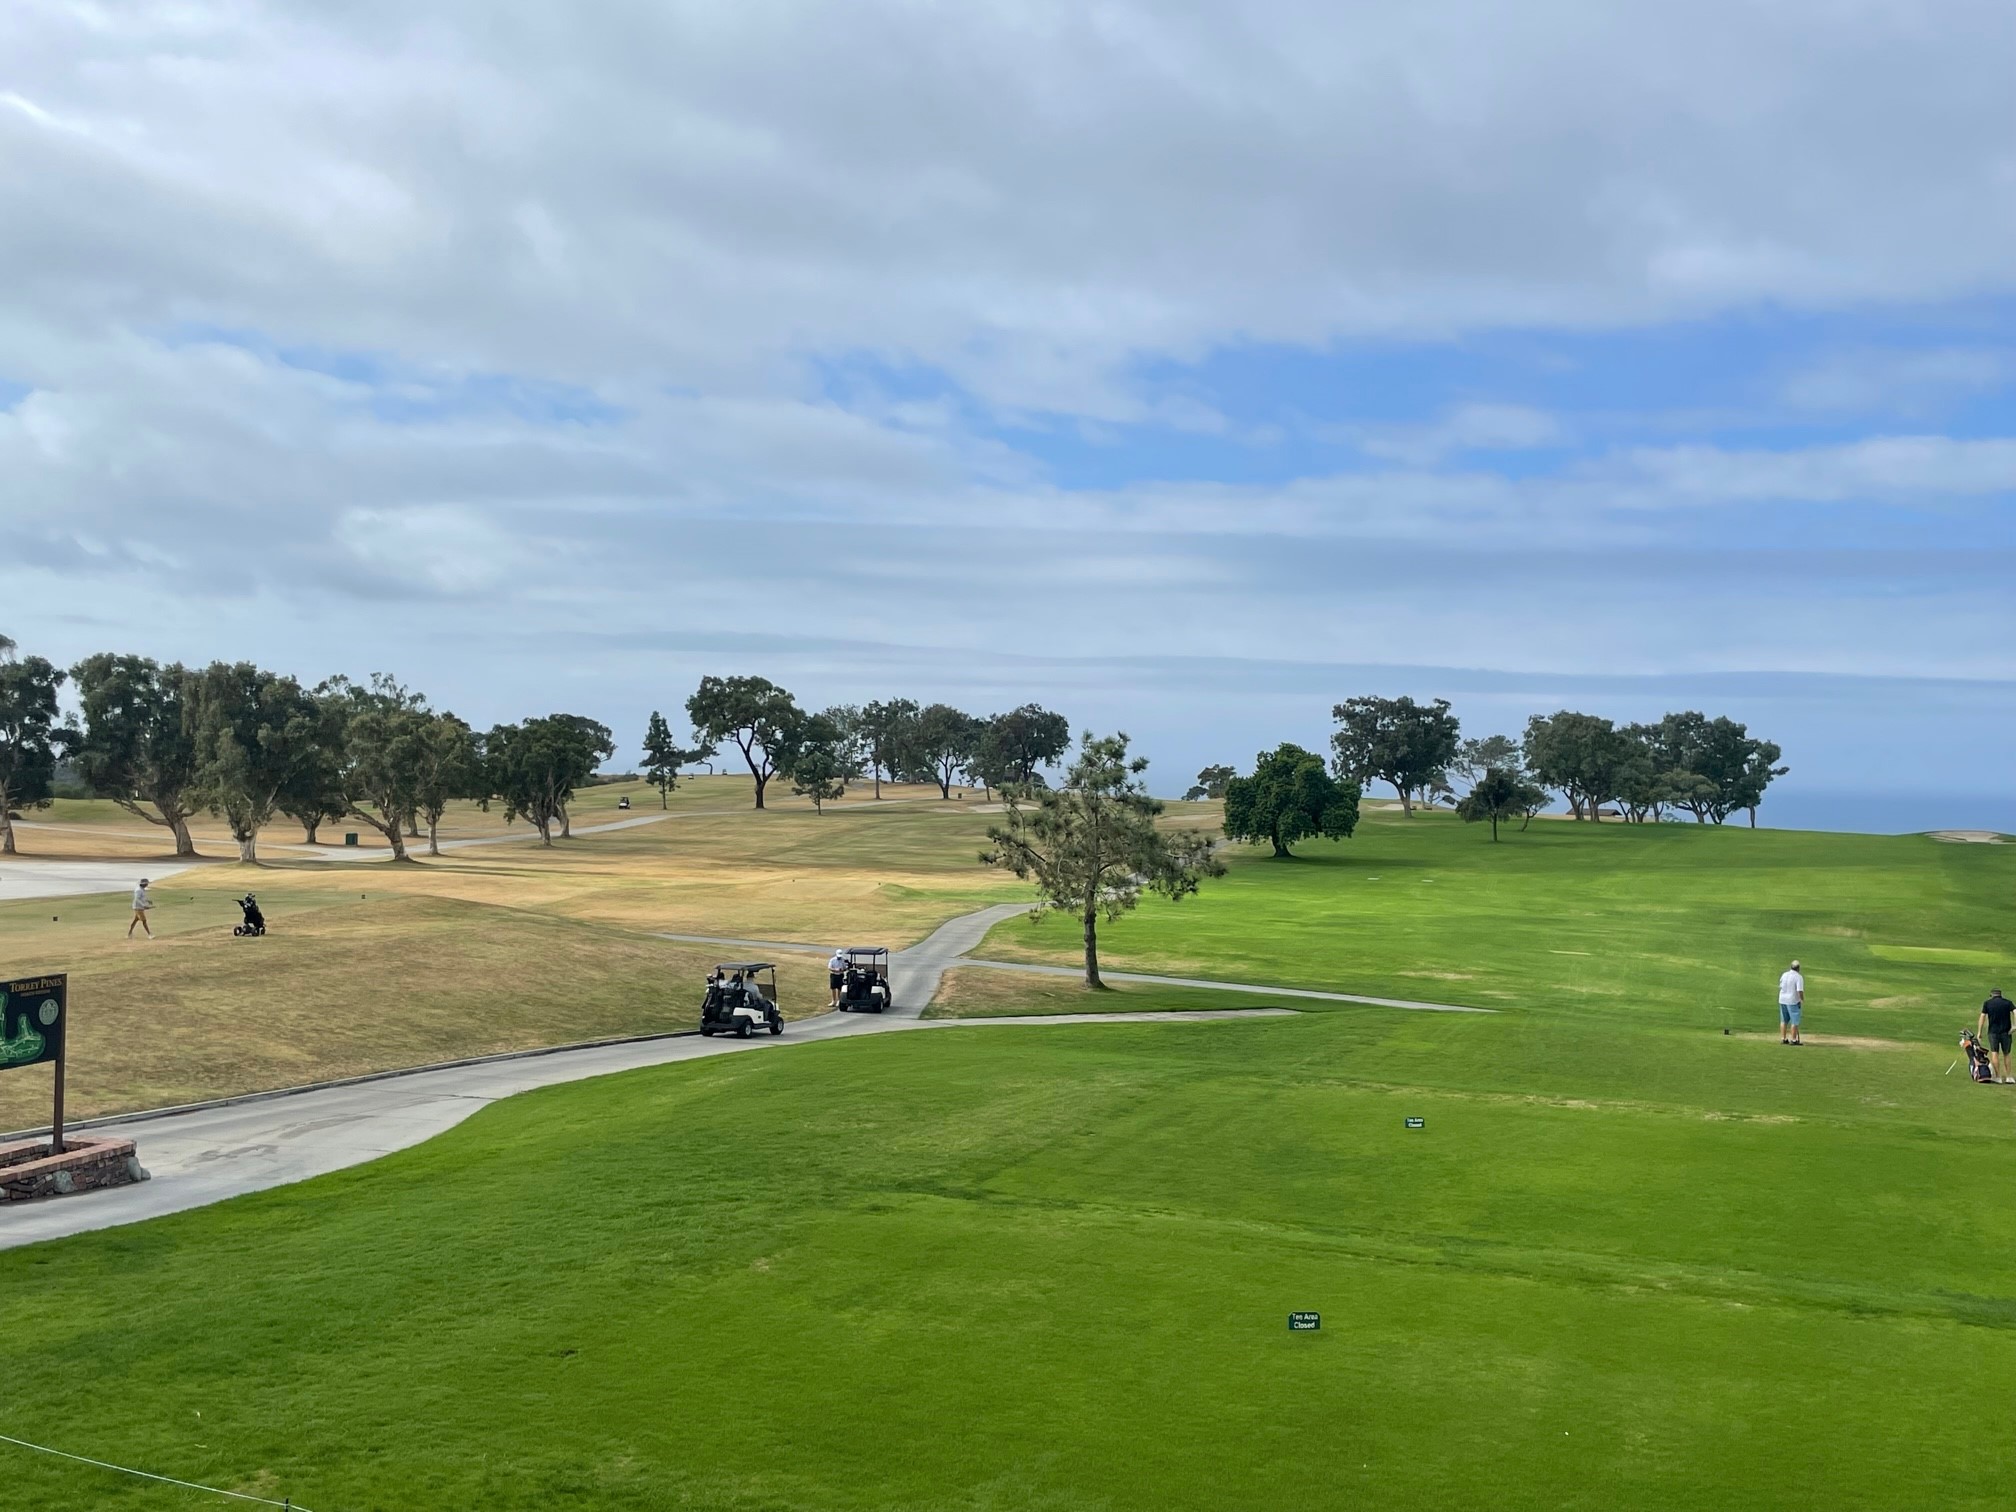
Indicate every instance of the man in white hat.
{"type": "Point", "coordinates": [1791, 998]}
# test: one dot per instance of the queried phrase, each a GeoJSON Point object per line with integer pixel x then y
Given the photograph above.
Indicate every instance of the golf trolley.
{"type": "Point", "coordinates": [865, 986]}
{"type": "Point", "coordinates": [740, 1000]}
{"type": "Point", "coordinates": [255, 921]}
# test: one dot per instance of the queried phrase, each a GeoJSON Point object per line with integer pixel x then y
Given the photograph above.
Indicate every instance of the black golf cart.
{"type": "Point", "coordinates": [865, 986]}
{"type": "Point", "coordinates": [741, 998]}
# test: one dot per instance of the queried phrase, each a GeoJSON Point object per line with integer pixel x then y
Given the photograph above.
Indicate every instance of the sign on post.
{"type": "Point", "coordinates": [1304, 1322]}
{"type": "Point", "coordinates": [34, 1011]}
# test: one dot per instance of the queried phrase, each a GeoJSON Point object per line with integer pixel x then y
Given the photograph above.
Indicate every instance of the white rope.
{"type": "Point", "coordinates": [166, 1480]}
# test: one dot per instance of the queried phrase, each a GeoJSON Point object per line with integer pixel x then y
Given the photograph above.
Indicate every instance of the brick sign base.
{"type": "Point", "coordinates": [88, 1162]}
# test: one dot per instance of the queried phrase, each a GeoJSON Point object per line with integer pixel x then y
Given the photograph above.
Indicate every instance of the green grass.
{"type": "Point", "coordinates": [1679, 924]}
{"type": "Point", "coordinates": [1021, 1267]}
{"type": "Point", "coordinates": [1630, 1261]}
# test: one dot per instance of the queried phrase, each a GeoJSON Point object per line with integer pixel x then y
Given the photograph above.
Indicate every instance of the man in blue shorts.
{"type": "Point", "coordinates": [1791, 998]}
{"type": "Point", "coordinates": [1995, 1033]}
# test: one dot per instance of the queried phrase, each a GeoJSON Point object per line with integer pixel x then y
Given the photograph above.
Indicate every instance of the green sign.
{"type": "Point", "coordinates": [31, 1020]}
{"type": "Point", "coordinates": [1304, 1322]}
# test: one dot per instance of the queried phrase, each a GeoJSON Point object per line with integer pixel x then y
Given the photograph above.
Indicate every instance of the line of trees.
{"type": "Point", "coordinates": [1685, 763]}
{"type": "Point", "coordinates": [168, 742]}
{"type": "Point", "coordinates": [892, 740]}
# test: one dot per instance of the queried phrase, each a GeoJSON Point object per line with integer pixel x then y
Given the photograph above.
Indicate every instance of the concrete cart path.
{"type": "Point", "coordinates": [54, 877]}
{"type": "Point", "coordinates": [210, 1153]}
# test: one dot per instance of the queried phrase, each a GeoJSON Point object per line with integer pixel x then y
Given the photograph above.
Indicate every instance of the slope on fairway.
{"type": "Point", "coordinates": [1682, 923]}
{"type": "Point", "coordinates": [1013, 1267]}
{"type": "Point", "coordinates": [361, 986]}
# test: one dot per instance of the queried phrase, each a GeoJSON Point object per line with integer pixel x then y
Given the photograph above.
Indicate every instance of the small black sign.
{"type": "Point", "coordinates": [1417, 1123]}
{"type": "Point", "coordinates": [1304, 1322]}
{"type": "Point", "coordinates": [31, 1020]}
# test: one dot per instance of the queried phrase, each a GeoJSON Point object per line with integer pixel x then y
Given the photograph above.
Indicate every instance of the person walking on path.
{"type": "Point", "coordinates": [141, 903]}
{"type": "Point", "coordinates": [1995, 1030]}
{"type": "Point", "coordinates": [1791, 998]}
{"type": "Point", "coordinates": [836, 973]}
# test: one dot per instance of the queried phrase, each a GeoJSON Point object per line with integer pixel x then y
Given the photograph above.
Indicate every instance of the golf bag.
{"type": "Point", "coordinates": [255, 921]}
{"type": "Point", "coordinates": [1978, 1065]}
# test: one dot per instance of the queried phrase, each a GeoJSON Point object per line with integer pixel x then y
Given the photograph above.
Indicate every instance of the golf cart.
{"type": "Point", "coordinates": [740, 1000]}
{"type": "Point", "coordinates": [865, 987]}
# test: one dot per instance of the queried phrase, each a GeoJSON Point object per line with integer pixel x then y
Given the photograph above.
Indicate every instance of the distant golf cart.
{"type": "Point", "coordinates": [623, 803]}
{"type": "Point", "coordinates": [741, 998]}
{"type": "Point", "coordinates": [865, 986]}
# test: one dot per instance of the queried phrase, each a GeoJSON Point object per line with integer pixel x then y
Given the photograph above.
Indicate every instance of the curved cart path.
{"type": "Point", "coordinates": [212, 1152]}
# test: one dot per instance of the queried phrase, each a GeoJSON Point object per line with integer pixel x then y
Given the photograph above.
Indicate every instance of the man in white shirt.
{"type": "Point", "coordinates": [836, 973]}
{"type": "Point", "coordinates": [1791, 998]}
{"type": "Point", "coordinates": [141, 903]}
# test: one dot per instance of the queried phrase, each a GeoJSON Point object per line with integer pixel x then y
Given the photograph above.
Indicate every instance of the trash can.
{"type": "Point", "coordinates": [351, 838]}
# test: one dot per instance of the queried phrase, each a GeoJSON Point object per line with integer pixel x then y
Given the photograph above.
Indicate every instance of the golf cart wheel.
{"type": "Point", "coordinates": [742, 1030]}
{"type": "Point", "coordinates": [706, 1034]}
{"type": "Point", "coordinates": [777, 1026]}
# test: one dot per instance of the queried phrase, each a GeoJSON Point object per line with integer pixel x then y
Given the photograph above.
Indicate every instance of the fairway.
{"type": "Point", "coordinates": [1627, 1260]}
{"type": "Point", "coordinates": [1037, 1268]}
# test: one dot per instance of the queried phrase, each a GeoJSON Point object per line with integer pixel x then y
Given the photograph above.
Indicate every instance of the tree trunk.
{"type": "Point", "coordinates": [433, 836]}
{"type": "Point", "coordinates": [308, 831]}
{"type": "Point", "coordinates": [248, 847]}
{"type": "Point", "coordinates": [762, 782]}
{"type": "Point", "coordinates": [6, 829]}
{"type": "Point", "coordinates": [1494, 829]}
{"type": "Point", "coordinates": [664, 796]}
{"type": "Point", "coordinates": [878, 784]}
{"type": "Point", "coordinates": [179, 827]}
{"type": "Point", "coordinates": [1753, 816]}
{"type": "Point", "coordinates": [545, 830]}
{"type": "Point", "coordinates": [566, 824]}
{"type": "Point", "coordinates": [412, 824]}
{"type": "Point", "coordinates": [1092, 949]}
{"type": "Point", "coordinates": [1406, 800]}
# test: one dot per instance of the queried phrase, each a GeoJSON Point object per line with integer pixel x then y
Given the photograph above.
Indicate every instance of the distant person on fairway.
{"type": "Point", "coordinates": [836, 973]}
{"type": "Point", "coordinates": [141, 903]}
{"type": "Point", "coordinates": [1996, 1014]}
{"type": "Point", "coordinates": [1791, 998]}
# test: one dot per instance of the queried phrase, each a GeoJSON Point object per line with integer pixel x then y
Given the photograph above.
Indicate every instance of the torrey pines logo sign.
{"type": "Point", "coordinates": [31, 1020]}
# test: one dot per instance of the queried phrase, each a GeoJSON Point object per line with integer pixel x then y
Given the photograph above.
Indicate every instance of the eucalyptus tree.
{"type": "Point", "coordinates": [254, 730]}
{"type": "Point", "coordinates": [759, 718]}
{"type": "Point", "coordinates": [1395, 740]}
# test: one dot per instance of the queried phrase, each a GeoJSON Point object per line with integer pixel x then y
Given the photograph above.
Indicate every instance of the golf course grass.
{"type": "Point", "coordinates": [374, 966]}
{"type": "Point", "coordinates": [1627, 1261]}
{"type": "Point", "coordinates": [1900, 936]}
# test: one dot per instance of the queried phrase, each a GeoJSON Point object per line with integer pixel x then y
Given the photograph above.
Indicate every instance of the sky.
{"type": "Point", "coordinates": [1186, 366]}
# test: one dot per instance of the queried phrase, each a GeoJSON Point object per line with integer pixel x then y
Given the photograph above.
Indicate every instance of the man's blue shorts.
{"type": "Point", "coordinates": [1788, 1013]}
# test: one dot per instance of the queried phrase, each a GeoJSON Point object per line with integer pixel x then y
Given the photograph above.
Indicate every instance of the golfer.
{"type": "Point", "coordinates": [836, 973]}
{"type": "Point", "coordinates": [1791, 998]}
{"type": "Point", "coordinates": [141, 903]}
{"type": "Point", "coordinates": [1995, 1033]}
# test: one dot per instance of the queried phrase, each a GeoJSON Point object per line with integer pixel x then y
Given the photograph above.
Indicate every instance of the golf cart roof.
{"type": "Point", "coordinates": [870, 950]}
{"type": "Point", "coordinates": [746, 967]}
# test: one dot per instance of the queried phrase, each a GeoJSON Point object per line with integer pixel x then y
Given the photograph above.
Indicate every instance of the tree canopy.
{"type": "Point", "coordinates": [254, 728]}
{"type": "Point", "coordinates": [1092, 845]}
{"type": "Point", "coordinates": [139, 741]}
{"type": "Point", "coordinates": [1395, 740]}
{"type": "Point", "coordinates": [762, 721]}
{"type": "Point", "coordinates": [1290, 796]}
{"type": "Point", "coordinates": [1499, 795]}
{"type": "Point", "coordinates": [942, 743]}
{"type": "Point", "coordinates": [31, 739]}
{"type": "Point", "coordinates": [1211, 783]}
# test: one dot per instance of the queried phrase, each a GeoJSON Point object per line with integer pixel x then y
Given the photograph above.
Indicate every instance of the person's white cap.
{"type": "Point", "coordinates": [1795, 965]}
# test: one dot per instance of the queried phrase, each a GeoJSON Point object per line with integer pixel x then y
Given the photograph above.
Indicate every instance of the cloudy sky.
{"type": "Point", "coordinates": [1187, 365]}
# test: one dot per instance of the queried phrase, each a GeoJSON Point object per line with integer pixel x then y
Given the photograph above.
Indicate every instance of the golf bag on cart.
{"type": "Point", "coordinates": [255, 921]}
{"type": "Point", "coordinates": [1978, 1065]}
